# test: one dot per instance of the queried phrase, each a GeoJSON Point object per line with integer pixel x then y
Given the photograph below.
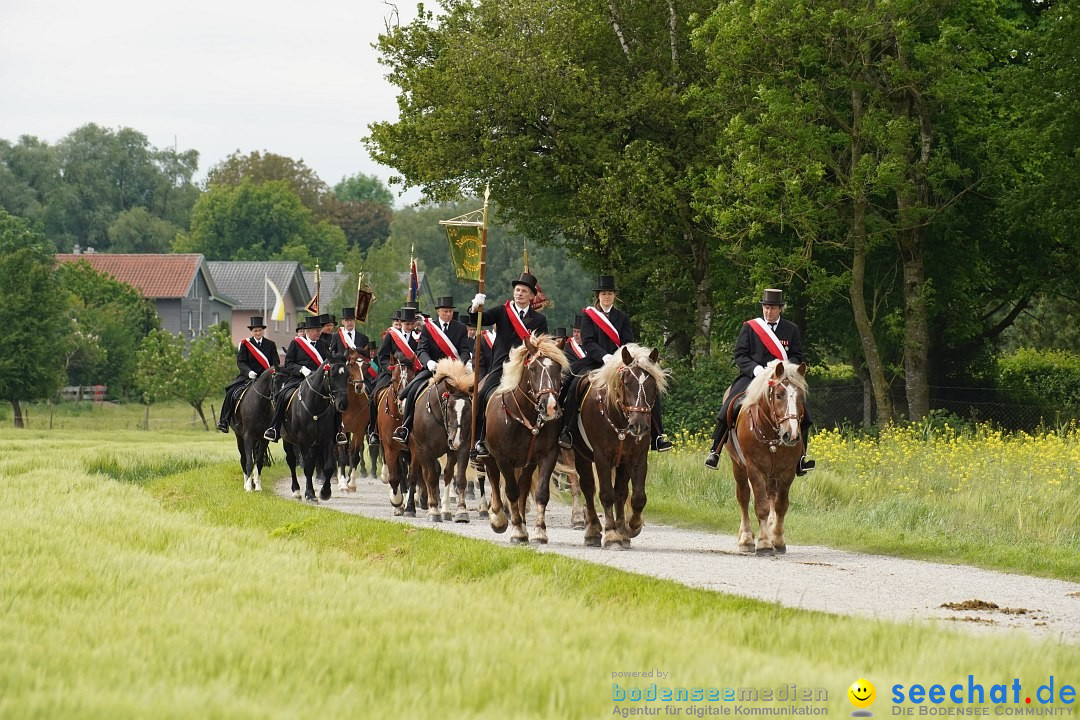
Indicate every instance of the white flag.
{"type": "Point", "coordinates": [278, 313]}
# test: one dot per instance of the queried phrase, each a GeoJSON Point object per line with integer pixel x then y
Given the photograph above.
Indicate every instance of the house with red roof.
{"type": "Point", "coordinates": [180, 286]}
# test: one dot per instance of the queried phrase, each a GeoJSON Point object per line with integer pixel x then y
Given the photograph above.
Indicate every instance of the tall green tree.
{"type": "Point", "coordinates": [32, 322]}
{"type": "Point", "coordinates": [257, 168]}
{"type": "Point", "coordinates": [361, 188]}
{"type": "Point", "coordinates": [158, 362]}
{"type": "Point", "coordinates": [208, 367]}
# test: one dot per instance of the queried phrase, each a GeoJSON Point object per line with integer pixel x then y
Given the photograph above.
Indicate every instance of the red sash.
{"type": "Point", "coordinates": [345, 339]}
{"type": "Point", "coordinates": [517, 323]}
{"type": "Point", "coordinates": [576, 349]}
{"type": "Point", "coordinates": [403, 345]}
{"type": "Point", "coordinates": [441, 340]}
{"type": "Point", "coordinates": [307, 347]}
{"type": "Point", "coordinates": [489, 338]}
{"type": "Point", "coordinates": [768, 338]}
{"type": "Point", "coordinates": [604, 324]}
{"type": "Point", "coordinates": [256, 353]}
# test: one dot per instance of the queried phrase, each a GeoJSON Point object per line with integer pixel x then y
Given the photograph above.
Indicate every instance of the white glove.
{"type": "Point", "coordinates": [251, 374]}
{"type": "Point", "coordinates": [608, 358]}
{"type": "Point", "coordinates": [758, 370]}
{"type": "Point", "coordinates": [477, 302]}
{"type": "Point", "coordinates": [468, 366]}
{"type": "Point", "coordinates": [431, 365]}
{"type": "Point", "coordinates": [304, 371]}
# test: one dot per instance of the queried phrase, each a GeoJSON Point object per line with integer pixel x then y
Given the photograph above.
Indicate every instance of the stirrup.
{"type": "Point", "coordinates": [341, 439]}
{"type": "Point", "coordinates": [713, 460]}
{"type": "Point", "coordinates": [481, 449]}
{"type": "Point", "coordinates": [566, 441]}
{"type": "Point", "coordinates": [401, 435]}
{"type": "Point", "coordinates": [271, 434]}
{"type": "Point", "coordinates": [662, 444]}
{"type": "Point", "coordinates": [804, 466]}
{"type": "Point", "coordinates": [373, 438]}
{"type": "Point", "coordinates": [223, 427]}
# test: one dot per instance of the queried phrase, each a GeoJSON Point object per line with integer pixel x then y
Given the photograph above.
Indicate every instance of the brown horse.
{"type": "Point", "coordinates": [613, 433]}
{"type": "Point", "coordinates": [765, 448]}
{"type": "Point", "coordinates": [388, 419]}
{"type": "Point", "coordinates": [355, 421]}
{"type": "Point", "coordinates": [522, 434]}
{"type": "Point", "coordinates": [443, 411]}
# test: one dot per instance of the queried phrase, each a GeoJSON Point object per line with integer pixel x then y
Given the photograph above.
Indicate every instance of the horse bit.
{"type": "Point", "coordinates": [776, 422]}
{"type": "Point", "coordinates": [547, 385]}
{"type": "Point", "coordinates": [642, 407]}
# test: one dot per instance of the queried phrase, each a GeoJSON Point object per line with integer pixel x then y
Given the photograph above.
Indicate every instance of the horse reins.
{"type": "Point", "coordinates": [775, 422]}
{"type": "Point", "coordinates": [644, 407]}
{"type": "Point", "coordinates": [544, 389]}
{"type": "Point", "coordinates": [329, 397]}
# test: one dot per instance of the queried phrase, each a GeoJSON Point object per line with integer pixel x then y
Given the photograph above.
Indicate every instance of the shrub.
{"type": "Point", "coordinates": [1048, 378]}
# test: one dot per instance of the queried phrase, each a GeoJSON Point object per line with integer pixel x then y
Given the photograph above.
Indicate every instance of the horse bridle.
{"type": "Point", "coordinates": [535, 400]}
{"type": "Point", "coordinates": [444, 406]}
{"type": "Point", "coordinates": [776, 422]}
{"type": "Point", "coordinates": [329, 397]}
{"type": "Point", "coordinates": [643, 407]}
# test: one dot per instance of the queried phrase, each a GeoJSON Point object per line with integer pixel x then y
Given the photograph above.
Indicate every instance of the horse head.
{"type": "Point", "coordinates": [356, 364]}
{"type": "Point", "coordinates": [784, 397]}
{"type": "Point", "coordinates": [638, 383]}
{"type": "Point", "coordinates": [336, 378]}
{"type": "Point", "coordinates": [454, 385]}
{"type": "Point", "coordinates": [541, 379]}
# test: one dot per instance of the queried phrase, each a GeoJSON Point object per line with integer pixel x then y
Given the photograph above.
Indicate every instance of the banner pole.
{"type": "Point", "coordinates": [479, 316]}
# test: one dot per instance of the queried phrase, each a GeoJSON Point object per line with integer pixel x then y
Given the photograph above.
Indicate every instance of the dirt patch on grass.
{"type": "Point", "coordinates": [985, 606]}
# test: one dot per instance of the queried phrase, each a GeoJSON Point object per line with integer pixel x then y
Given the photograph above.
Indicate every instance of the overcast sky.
{"type": "Point", "coordinates": [295, 78]}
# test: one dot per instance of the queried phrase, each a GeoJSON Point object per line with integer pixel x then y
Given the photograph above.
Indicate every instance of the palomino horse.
{"type": "Point", "coordinates": [354, 420]}
{"type": "Point", "coordinates": [443, 412]}
{"type": "Point", "coordinates": [613, 433]}
{"type": "Point", "coordinates": [255, 410]}
{"type": "Point", "coordinates": [389, 419]}
{"type": "Point", "coordinates": [522, 434]}
{"type": "Point", "coordinates": [310, 428]}
{"type": "Point", "coordinates": [765, 448]}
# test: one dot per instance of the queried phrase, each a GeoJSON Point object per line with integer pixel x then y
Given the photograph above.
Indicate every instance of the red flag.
{"type": "Point", "coordinates": [313, 306]}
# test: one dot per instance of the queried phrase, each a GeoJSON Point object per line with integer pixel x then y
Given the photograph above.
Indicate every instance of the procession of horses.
{"type": "Point", "coordinates": [609, 456]}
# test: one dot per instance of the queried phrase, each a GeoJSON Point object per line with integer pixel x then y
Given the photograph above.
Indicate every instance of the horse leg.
{"type": "Point", "coordinates": [290, 459]}
{"type": "Point", "coordinates": [307, 456]}
{"type": "Point", "coordinates": [498, 520]}
{"type": "Point", "coordinates": [780, 507]}
{"type": "Point", "coordinates": [577, 510]}
{"type": "Point", "coordinates": [245, 459]}
{"type": "Point", "coordinates": [485, 502]}
{"type": "Point", "coordinates": [408, 479]}
{"type": "Point", "coordinates": [444, 487]}
{"type": "Point", "coordinates": [622, 493]}
{"type": "Point", "coordinates": [432, 475]}
{"type": "Point", "coordinates": [461, 466]}
{"type": "Point", "coordinates": [742, 497]}
{"type": "Point", "coordinates": [515, 499]}
{"type": "Point", "coordinates": [587, 483]}
{"type": "Point", "coordinates": [637, 497]}
{"type": "Point", "coordinates": [259, 455]}
{"type": "Point", "coordinates": [328, 450]}
{"type": "Point", "coordinates": [543, 494]}
{"type": "Point", "coordinates": [763, 510]}
{"type": "Point", "coordinates": [605, 483]}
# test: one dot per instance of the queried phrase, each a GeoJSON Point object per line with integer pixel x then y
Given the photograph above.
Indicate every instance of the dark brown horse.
{"type": "Point", "coordinates": [613, 433]}
{"type": "Point", "coordinates": [522, 434]}
{"type": "Point", "coordinates": [765, 448]}
{"type": "Point", "coordinates": [389, 419]}
{"type": "Point", "coordinates": [309, 426]}
{"type": "Point", "coordinates": [254, 411]}
{"type": "Point", "coordinates": [354, 420]}
{"type": "Point", "coordinates": [441, 427]}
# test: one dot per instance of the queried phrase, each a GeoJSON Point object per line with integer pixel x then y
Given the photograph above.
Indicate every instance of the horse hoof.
{"type": "Point", "coordinates": [297, 494]}
{"type": "Point", "coordinates": [312, 500]}
{"type": "Point", "coordinates": [519, 539]}
{"type": "Point", "coordinates": [410, 513]}
{"type": "Point", "coordinates": [592, 541]}
{"type": "Point", "coordinates": [746, 548]}
{"type": "Point", "coordinates": [764, 552]}
{"type": "Point", "coordinates": [398, 512]}
{"type": "Point", "coordinates": [540, 539]}
{"type": "Point", "coordinates": [578, 525]}
{"type": "Point", "coordinates": [614, 544]}
{"type": "Point", "coordinates": [625, 543]}
{"type": "Point", "coordinates": [448, 516]}
{"type": "Point", "coordinates": [780, 549]}
{"type": "Point", "coordinates": [462, 516]}
{"type": "Point", "coordinates": [635, 531]}
{"type": "Point", "coordinates": [435, 517]}
{"type": "Point", "coordinates": [324, 495]}
{"type": "Point", "coordinates": [499, 527]}
{"type": "Point", "coordinates": [258, 487]}
{"type": "Point", "coordinates": [422, 504]}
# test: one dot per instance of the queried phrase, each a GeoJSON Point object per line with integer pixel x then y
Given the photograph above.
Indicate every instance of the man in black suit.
{"type": "Point", "coordinates": [514, 320]}
{"type": "Point", "coordinates": [253, 356]}
{"type": "Point", "coordinates": [347, 337]}
{"type": "Point", "coordinates": [752, 354]}
{"type": "Point", "coordinates": [399, 337]}
{"type": "Point", "coordinates": [604, 329]}
{"type": "Point", "coordinates": [440, 338]}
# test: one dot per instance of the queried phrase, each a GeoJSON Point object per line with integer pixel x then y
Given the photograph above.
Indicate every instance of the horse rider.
{"type": "Point", "coordinates": [329, 324]}
{"type": "Point", "coordinates": [604, 329]}
{"type": "Point", "coordinates": [253, 355]}
{"type": "Point", "coordinates": [561, 337]}
{"type": "Point", "coordinates": [514, 320]}
{"type": "Point", "coordinates": [761, 340]}
{"type": "Point", "coordinates": [399, 337]}
{"type": "Point", "coordinates": [574, 351]}
{"type": "Point", "coordinates": [304, 356]}
{"type": "Point", "coordinates": [440, 338]}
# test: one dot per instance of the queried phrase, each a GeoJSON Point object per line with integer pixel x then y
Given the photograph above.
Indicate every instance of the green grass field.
{"type": "Point", "coordinates": [139, 580]}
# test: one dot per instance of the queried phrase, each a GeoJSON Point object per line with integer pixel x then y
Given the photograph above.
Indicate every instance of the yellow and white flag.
{"type": "Point", "coordinates": [278, 313]}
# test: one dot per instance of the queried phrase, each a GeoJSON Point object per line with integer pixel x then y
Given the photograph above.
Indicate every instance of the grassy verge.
{"type": "Point", "coordinates": [979, 498]}
{"type": "Point", "coordinates": [140, 581]}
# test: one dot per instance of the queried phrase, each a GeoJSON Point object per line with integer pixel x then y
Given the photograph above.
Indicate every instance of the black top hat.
{"type": "Point", "coordinates": [456, 315]}
{"type": "Point", "coordinates": [313, 322]}
{"type": "Point", "coordinates": [560, 333]}
{"type": "Point", "coordinates": [348, 313]}
{"type": "Point", "coordinates": [446, 301]}
{"type": "Point", "coordinates": [605, 282]}
{"type": "Point", "coordinates": [408, 314]}
{"type": "Point", "coordinates": [396, 315]}
{"type": "Point", "coordinates": [326, 318]}
{"type": "Point", "coordinates": [256, 321]}
{"type": "Point", "coordinates": [772, 296]}
{"type": "Point", "coordinates": [526, 279]}
{"type": "Point", "coordinates": [577, 322]}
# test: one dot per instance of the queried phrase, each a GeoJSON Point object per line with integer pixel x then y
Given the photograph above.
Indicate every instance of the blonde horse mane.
{"type": "Point", "coordinates": [607, 376]}
{"type": "Point", "coordinates": [455, 374]}
{"type": "Point", "coordinates": [759, 385]}
{"type": "Point", "coordinates": [515, 364]}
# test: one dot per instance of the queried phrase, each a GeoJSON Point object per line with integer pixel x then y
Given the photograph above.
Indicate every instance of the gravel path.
{"type": "Point", "coordinates": [808, 577]}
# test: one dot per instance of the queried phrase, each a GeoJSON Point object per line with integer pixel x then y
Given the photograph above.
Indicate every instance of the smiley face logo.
{"type": "Point", "coordinates": [862, 694]}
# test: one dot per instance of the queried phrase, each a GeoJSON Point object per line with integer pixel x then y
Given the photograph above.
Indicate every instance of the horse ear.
{"type": "Point", "coordinates": [654, 355]}
{"type": "Point", "coordinates": [779, 371]}
{"type": "Point", "coordinates": [627, 358]}
{"type": "Point", "coordinates": [529, 344]}
{"type": "Point", "coordinates": [802, 369]}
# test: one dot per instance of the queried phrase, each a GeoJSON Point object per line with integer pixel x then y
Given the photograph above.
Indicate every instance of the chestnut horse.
{"type": "Point", "coordinates": [355, 421]}
{"type": "Point", "coordinates": [613, 433]}
{"type": "Point", "coordinates": [765, 448]}
{"type": "Point", "coordinates": [443, 411]}
{"type": "Point", "coordinates": [389, 419]}
{"type": "Point", "coordinates": [522, 433]}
